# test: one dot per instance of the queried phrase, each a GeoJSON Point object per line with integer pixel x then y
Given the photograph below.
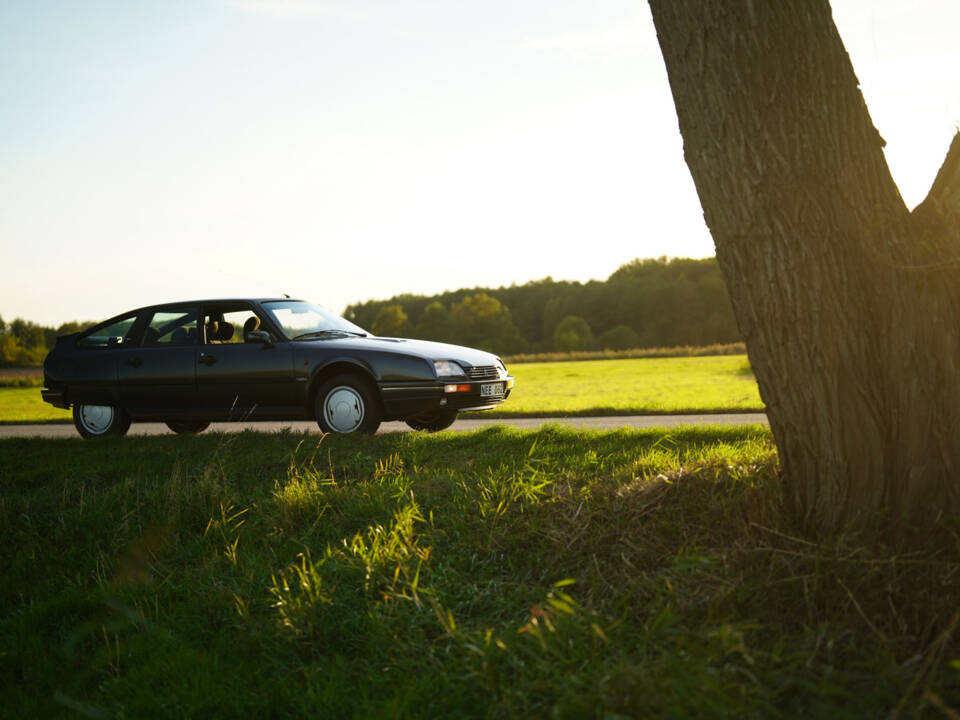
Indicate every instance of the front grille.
{"type": "Point", "coordinates": [483, 372]}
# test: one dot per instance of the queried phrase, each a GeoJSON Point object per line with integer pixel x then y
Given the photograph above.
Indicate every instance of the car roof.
{"type": "Point", "coordinates": [234, 299]}
{"type": "Point", "coordinates": [258, 300]}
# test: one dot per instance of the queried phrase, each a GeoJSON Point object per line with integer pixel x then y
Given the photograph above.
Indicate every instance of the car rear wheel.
{"type": "Point", "coordinates": [346, 404]}
{"type": "Point", "coordinates": [433, 422]}
{"type": "Point", "coordinates": [187, 427]}
{"type": "Point", "coordinates": [93, 421]}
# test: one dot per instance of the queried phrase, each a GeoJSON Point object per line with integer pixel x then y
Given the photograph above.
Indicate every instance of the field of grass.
{"type": "Point", "coordinates": [633, 387]}
{"type": "Point", "coordinates": [495, 574]}
{"type": "Point", "coordinates": [24, 405]}
{"type": "Point", "coordinates": [595, 387]}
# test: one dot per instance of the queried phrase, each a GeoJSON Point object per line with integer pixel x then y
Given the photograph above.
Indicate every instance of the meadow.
{"type": "Point", "coordinates": [594, 387]}
{"type": "Point", "coordinates": [493, 574]}
{"type": "Point", "coordinates": [720, 383]}
{"type": "Point", "coordinates": [24, 405]}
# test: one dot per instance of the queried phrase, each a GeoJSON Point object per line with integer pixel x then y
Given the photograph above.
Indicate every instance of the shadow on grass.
{"type": "Point", "coordinates": [502, 572]}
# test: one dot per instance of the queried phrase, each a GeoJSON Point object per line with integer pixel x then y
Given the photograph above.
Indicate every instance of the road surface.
{"type": "Point", "coordinates": [462, 425]}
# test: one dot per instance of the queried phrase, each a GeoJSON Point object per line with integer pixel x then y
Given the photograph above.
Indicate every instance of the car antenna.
{"type": "Point", "coordinates": [285, 295]}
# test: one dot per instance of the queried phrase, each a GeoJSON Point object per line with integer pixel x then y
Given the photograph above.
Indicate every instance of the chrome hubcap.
{"type": "Point", "coordinates": [343, 409]}
{"type": "Point", "coordinates": [96, 418]}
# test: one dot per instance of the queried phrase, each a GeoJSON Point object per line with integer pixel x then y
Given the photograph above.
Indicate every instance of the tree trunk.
{"type": "Point", "coordinates": [848, 302]}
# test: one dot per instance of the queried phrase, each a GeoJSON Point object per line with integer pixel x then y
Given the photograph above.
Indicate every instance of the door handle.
{"type": "Point", "coordinates": [134, 362]}
{"type": "Point", "coordinates": [207, 359]}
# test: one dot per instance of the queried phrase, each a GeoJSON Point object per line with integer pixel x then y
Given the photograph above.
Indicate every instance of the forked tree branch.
{"type": "Point", "coordinates": [940, 210]}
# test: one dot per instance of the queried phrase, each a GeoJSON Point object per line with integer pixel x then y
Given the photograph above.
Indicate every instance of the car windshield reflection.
{"type": "Point", "coordinates": [306, 321]}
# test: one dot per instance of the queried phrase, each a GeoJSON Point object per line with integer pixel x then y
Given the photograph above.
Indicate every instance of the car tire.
{"type": "Point", "coordinates": [434, 421]}
{"type": "Point", "coordinates": [347, 404]}
{"type": "Point", "coordinates": [188, 427]}
{"type": "Point", "coordinates": [95, 421]}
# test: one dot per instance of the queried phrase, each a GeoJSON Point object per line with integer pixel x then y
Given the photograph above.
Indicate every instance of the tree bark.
{"type": "Point", "coordinates": [848, 302]}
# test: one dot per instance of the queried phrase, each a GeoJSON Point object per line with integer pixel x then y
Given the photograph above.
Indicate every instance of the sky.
{"type": "Point", "coordinates": [347, 150]}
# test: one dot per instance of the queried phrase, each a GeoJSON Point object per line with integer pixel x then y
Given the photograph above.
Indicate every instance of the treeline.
{"type": "Point", "coordinates": [643, 304]}
{"type": "Point", "coordinates": [650, 303]}
{"type": "Point", "coordinates": [24, 343]}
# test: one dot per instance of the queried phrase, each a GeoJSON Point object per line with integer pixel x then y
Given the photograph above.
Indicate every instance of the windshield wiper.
{"type": "Point", "coordinates": [327, 333]}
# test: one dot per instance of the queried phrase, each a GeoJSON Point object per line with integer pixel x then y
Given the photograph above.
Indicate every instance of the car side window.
{"type": "Point", "coordinates": [230, 326]}
{"type": "Point", "coordinates": [113, 335]}
{"type": "Point", "coordinates": [171, 328]}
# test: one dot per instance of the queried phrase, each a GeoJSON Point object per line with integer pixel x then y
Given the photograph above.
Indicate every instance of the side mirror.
{"type": "Point", "coordinates": [258, 336]}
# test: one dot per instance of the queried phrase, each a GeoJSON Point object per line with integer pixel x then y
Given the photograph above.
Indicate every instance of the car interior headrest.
{"type": "Point", "coordinates": [224, 331]}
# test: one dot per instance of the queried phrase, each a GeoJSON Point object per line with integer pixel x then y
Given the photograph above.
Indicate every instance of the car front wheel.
{"type": "Point", "coordinates": [433, 422]}
{"type": "Point", "coordinates": [346, 404]}
{"type": "Point", "coordinates": [93, 421]}
{"type": "Point", "coordinates": [187, 427]}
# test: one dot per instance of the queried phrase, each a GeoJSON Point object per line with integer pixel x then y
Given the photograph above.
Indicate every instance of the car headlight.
{"type": "Point", "coordinates": [503, 368]}
{"type": "Point", "coordinates": [447, 368]}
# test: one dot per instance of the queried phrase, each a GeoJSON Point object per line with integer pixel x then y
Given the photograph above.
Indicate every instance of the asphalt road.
{"type": "Point", "coordinates": [462, 425]}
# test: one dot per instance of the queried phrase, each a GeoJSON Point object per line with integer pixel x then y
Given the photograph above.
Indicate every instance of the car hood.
{"type": "Point", "coordinates": [425, 349]}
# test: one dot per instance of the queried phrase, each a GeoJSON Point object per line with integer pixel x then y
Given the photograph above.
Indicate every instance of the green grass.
{"type": "Point", "coordinates": [24, 405]}
{"type": "Point", "coordinates": [634, 386]}
{"type": "Point", "coordinates": [496, 574]}
{"type": "Point", "coordinates": [595, 387]}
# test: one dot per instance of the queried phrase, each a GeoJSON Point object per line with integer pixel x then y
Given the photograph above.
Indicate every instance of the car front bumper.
{"type": "Point", "coordinates": [403, 400]}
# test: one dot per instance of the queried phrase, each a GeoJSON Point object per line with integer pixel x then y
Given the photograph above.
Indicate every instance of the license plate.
{"type": "Point", "coordinates": [491, 389]}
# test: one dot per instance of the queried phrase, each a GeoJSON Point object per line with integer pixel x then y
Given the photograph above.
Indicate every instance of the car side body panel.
{"type": "Point", "coordinates": [159, 379]}
{"type": "Point", "coordinates": [247, 380]}
{"type": "Point", "coordinates": [91, 376]}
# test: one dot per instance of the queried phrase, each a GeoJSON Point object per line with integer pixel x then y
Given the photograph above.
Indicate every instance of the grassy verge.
{"type": "Point", "coordinates": [633, 387]}
{"type": "Point", "coordinates": [492, 574]}
{"type": "Point", "coordinates": [24, 405]}
{"type": "Point", "coordinates": [597, 387]}
{"type": "Point", "coordinates": [738, 348]}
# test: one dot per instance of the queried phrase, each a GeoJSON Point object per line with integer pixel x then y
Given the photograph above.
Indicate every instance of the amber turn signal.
{"type": "Point", "coordinates": [457, 388]}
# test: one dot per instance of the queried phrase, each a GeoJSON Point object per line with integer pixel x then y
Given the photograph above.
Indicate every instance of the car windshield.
{"type": "Point", "coordinates": [303, 320]}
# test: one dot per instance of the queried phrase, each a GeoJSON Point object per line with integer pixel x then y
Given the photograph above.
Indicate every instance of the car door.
{"type": "Point", "coordinates": [158, 377]}
{"type": "Point", "coordinates": [239, 379]}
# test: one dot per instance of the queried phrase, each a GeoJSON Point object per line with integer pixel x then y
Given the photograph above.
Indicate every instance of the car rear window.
{"type": "Point", "coordinates": [116, 333]}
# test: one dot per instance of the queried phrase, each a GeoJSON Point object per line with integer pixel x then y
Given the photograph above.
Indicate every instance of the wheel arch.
{"type": "Point", "coordinates": [341, 367]}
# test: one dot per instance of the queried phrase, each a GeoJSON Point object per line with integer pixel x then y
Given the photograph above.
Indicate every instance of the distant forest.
{"type": "Point", "coordinates": [25, 344]}
{"type": "Point", "coordinates": [645, 303]}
